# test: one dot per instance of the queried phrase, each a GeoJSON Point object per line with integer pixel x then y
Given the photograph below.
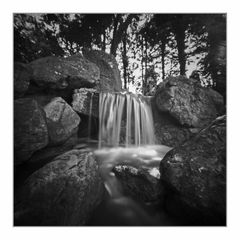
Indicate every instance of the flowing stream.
{"type": "Point", "coordinates": [126, 137]}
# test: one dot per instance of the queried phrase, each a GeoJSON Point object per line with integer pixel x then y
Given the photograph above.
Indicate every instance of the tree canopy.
{"type": "Point", "coordinates": [148, 47]}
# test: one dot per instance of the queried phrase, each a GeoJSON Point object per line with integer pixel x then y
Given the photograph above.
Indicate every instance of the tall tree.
{"type": "Point", "coordinates": [125, 60]}
{"type": "Point", "coordinates": [161, 30]}
{"type": "Point", "coordinates": [120, 27]}
{"type": "Point", "coordinates": [179, 24]}
{"type": "Point", "coordinates": [84, 30]}
{"type": "Point", "coordinates": [215, 62]}
{"type": "Point", "coordinates": [209, 35]}
{"type": "Point", "coordinates": [169, 42]}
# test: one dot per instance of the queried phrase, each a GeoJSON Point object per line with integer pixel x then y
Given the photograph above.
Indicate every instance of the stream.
{"type": "Point", "coordinates": [118, 209]}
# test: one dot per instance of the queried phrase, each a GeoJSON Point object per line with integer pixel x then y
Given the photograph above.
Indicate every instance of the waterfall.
{"type": "Point", "coordinates": [124, 110]}
{"type": "Point", "coordinates": [126, 137]}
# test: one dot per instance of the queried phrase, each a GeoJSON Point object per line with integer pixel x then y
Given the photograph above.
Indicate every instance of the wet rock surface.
{"type": "Point", "coordinates": [60, 73]}
{"type": "Point", "coordinates": [195, 174]}
{"type": "Point", "coordinates": [59, 190]}
{"type": "Point", "coordinates": [62, 193]}
{"type": "Point", "coordinates": [22, 75]}
{"type": "Point", "coordinates": [188, 102]}
{"type": "Point", "coordinates": [85, 101]}
{"type": "Point", "coordinates": [109, 73]}
{"type": "Point", "coordinates": [181, 108]}
{"type": "Point", "coordinates": [62, 121]}
{"type": "Point", "coordinates": [43, 99]}
{"type": "Point", "coordinates": [41, 158]}
{"type": "Point", "coordinates": [30, 129]}
{"type": "Point", "coordinates": [167, 130]}
{"type": "Point", "coordinates": [141, 184]}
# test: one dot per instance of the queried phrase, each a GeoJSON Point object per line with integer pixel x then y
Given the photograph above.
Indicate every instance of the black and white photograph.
{"type": "Point", "coordinates": [119, 119]}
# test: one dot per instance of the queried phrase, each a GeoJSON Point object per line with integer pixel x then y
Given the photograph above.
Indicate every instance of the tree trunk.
{"type": "Point", "coordinates": [163, 47]}
{"type": "Point", "coordinates": [115, 26]}
{"type": "Point", "coordinates": [180, 37]}
{"type": "Point", "coordinates": [119, 29]}
{"type": "Point", "coordinates": [125, 61]}
{"type": "Point", "coordinates": [142, 48]}
{"type": "Point", "coordinates": [146, 62]}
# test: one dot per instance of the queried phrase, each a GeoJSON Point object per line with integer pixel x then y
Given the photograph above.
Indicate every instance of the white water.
{"type": "Point", "coordinates": [145, 156]}
{"type": "Point", "coordinates": [125, 120]}
{"type": "Point", "coordinates": [124, 109]}
{"type": "Point", "coordinates": [126, 137]}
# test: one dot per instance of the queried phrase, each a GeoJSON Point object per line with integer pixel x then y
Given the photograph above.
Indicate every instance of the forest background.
{"type": "Point", "coordinates": [148, 47]}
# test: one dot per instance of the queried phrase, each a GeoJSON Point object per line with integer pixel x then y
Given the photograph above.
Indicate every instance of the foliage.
{"type": "Point", "coordinates": [32, 39]}
{"type": "Point", "coordinates": [156, 45]}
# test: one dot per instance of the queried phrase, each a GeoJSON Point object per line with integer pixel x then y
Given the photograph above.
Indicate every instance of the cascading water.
{"type": "Point", "coordinates": [118, 108]}
{"type": "Point", "coordinates": [126, 137]}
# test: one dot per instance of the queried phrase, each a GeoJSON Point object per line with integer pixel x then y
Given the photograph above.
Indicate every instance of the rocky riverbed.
{"type": "Point", "coordinates": [57, 181]}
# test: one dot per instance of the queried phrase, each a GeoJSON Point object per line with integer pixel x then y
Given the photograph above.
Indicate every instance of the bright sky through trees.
{"type": "Point", "coordinates": [147, 47]}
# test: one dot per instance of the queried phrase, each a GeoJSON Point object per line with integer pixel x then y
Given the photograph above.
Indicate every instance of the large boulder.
{"type": "Point", "coordinates": [43, 99]}
{"type": "Point", "coordinates": [110, 79]}
{"type": "Point", "coordinates": [167, 133]}
{"type": "Point", "coordinates": [48, 153]}
{"type": "Point", "coordinates": [188, 102]}
{"type": "Point", "coordinates": [62, 121]}
{"type": "Point", "coordinates": [167, 130]}
{"type": "Point", "coordinates": [22, 76]}
{"type": "Point", "coordinates": [64, 192]}
{"type": "Point", "coordinates": [195, 174]}
{"type": "Point", "coordinates": [30, 129]}
{"type": "Point", "coordinates": [86, 101]}
{"type": "Point", "coordinates": [61, 73]}
{"type": "Point", "coordinates": [142, 184]}
{"type": "Point", "coordinates": [41, 158]}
